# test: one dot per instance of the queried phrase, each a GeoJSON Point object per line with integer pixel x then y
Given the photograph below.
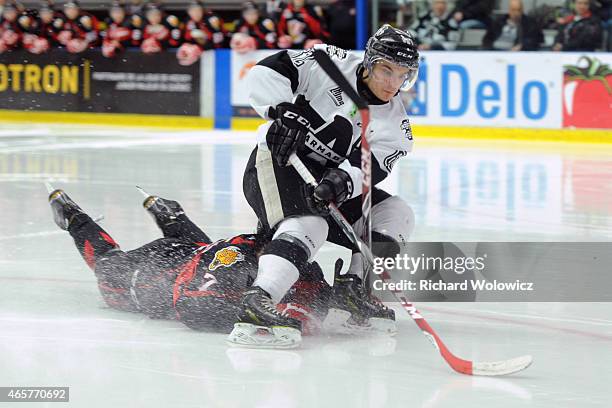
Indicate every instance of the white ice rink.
{"type": "Point", "coordinates": [56, 331]}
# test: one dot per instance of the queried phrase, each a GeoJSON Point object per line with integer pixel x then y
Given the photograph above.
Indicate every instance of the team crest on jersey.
{"type": "Point", "coordinates": [334, 51]}
{"type": "Point", "coordinates": [405, 126]}
{"type": "Point", "coordinates": [227, 256]}
{"type": "Point", "coordinates": [336, 96]}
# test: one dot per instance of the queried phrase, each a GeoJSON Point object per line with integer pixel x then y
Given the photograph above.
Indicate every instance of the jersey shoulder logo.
{"type": "Point", "coordinates": [301, 57]}
{"type": "Point", "coordinates": [406, 128]}
{"type": "Point", "coordinates": [391, 159]}
{"type": "Point", "coordinates": [336, 96]}
{"type": "Point", "coordinates": [337, 52]}
{"type": "Point", "coordinates": [227, 256]}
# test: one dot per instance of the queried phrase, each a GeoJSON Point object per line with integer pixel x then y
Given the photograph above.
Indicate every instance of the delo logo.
{"type": "Point", "coordinates": [473, 89]}
{"type": "Point", "coordinates": [489, 96]}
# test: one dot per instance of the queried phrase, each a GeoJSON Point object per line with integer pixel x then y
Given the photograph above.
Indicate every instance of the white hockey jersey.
{"type": "Point", "coordinates": [335, 123]}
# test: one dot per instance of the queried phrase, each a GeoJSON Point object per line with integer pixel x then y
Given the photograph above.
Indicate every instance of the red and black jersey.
{"type": "Point", "coordinates": [49, 30]}
{"type": "Point", "coordinates": [264, 31]}
{"type": "Point", "coordinates": [207, 33]}
{"type": "Point", "coordinates": [137, 24]}
{"type": "Point", "coordinates": [121, 32]}
{"type": "Point", "coordinates": [168, 32]}
{"type": "Point", "coordinates": [221, 269]}
{"type": "Point", "coordinates": [11, 33]}
{"type": "Point", "coordinates": [6, 25]}
{"type": "Point", "coordinates": [302, 24]}
{"type": "Point", "coordinates": [84, 27]}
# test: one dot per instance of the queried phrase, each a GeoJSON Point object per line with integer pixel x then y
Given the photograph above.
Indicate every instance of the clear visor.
{"type": "Point", "coordinates": [403, 81]}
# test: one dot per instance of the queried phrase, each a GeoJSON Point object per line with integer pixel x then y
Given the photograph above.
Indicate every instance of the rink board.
{"type": "Point", "coordinates": [466, 95]}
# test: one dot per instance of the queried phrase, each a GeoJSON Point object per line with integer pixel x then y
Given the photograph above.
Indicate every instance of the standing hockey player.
{"type": "Point", "coordinates": [310, 115]}
{"type": "Point", "coordinates": [183, 275]}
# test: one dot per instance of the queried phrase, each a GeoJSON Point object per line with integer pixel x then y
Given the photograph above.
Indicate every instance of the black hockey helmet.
{"type": "Point", "coordinates": [396, 46]}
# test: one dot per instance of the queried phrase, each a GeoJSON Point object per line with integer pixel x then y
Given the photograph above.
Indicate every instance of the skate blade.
{"type": "Point", "coordinates": [49, 187]}
{"type": "Point", "coordinates": [338, 322]}
{"type": "Point", "coordinates": [144, 193]}
{"type": "Point", "coordinates": [276, 337]}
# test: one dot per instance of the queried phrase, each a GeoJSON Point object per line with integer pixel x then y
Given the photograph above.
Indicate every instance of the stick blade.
{"type": "Point", "coordinates": [493, 368]}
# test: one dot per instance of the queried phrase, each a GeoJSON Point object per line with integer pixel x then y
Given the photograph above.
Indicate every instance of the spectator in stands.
{"type": "Point", "coordinates": [118, 33]}
{"type": "Point", "coordinates": [341, 23]}
{"type": "Point", "coordinates": [252, 31]}
{"type": "Point", "coordinates": [42, 34]}
{"type": "Point", "coordinates": [473, 13]}
{"type": "Point", "coordinates": [79, 30]}
{"type": "Point", "coordinates": [301, 26]}
{"type": "Point", "coordinates": [514, 31]}
{"type": "Point", "coordinates": [603, 10]}
{"type": "Point", "coordinates": [203, 31]}
{"type": "Point", "coordinates": [161, 31]}
{"type": "Point", "coordinates": [274, 9]}
{"type": "Point", "coordinates": [435, 30]}
{"type": "Point", "coordinates": [33, 38]}
{"type": "Point", "coordinates": [135, 7]}
{"type": "Point", "coordinates": [204, 28]}
{"type": "Point", "coordinates": [580, 31]}
{"type": "Point", "coordinates": [10, 28]}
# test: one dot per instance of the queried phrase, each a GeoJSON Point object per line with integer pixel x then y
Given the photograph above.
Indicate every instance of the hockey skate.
{"type": "Point", "coordinates": [261, 325]}
{"type": "Point", "coordinates": [164, 212]}
{"type": "Point", "coordinates": [353, 311]}
{"type": "Point", "coordinates": [63, 208]}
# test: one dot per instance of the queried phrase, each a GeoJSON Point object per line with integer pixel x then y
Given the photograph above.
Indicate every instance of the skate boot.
{"type": "Point", "coordinates": [261, 325]}
{"type": "Point", "coordinates": [353, 311]}
{"type": "Point", "coordinates": [164, 212]}
{"type": "Point", "coordinates": [63, 208]}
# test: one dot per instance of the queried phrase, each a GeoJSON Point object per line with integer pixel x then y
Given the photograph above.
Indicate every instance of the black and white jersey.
{"type": "Point", "coordinates": [335, 122]}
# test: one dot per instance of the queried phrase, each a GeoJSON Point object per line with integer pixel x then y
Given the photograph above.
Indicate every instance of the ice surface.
{"type": "Point", "coordinates": [55, 330]}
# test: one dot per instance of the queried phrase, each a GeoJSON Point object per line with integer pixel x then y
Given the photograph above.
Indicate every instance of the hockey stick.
{"type": "Point", "coordinates": [460, 365]}
{"type": "Point", "coordinates": [334, 73]}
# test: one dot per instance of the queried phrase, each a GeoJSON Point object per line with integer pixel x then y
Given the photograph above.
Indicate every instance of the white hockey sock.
{"type": "Point", "coordinates": [276, 275]}
{"type": "Point", "coordinates": [356, 266]}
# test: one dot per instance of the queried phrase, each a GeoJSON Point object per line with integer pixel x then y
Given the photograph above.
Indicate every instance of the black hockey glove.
{"type": "Point", "coordinates": [289, 130]}
{"type": "Point", "coordinates": [335, 187]}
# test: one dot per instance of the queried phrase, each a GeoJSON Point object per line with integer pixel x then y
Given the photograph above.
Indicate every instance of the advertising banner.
{"type": "Point", "coordinates": [587, 90]}
{"type": "Point", "coordinates": [491, 89]}
{"type": "Point", "coordinates": [241, 64]}
{"type": "Point", "coordinates": [89, 82]}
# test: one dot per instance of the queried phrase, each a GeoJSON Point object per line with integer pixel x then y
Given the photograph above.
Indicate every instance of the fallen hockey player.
{"type": "Point", "coordinates": [184, 275]}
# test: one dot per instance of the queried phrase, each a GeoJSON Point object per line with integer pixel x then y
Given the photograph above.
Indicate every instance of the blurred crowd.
{"type": "Point", "coordinates": [279, 24]}
{"type": "Point", "coordinates": [584, 26]}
